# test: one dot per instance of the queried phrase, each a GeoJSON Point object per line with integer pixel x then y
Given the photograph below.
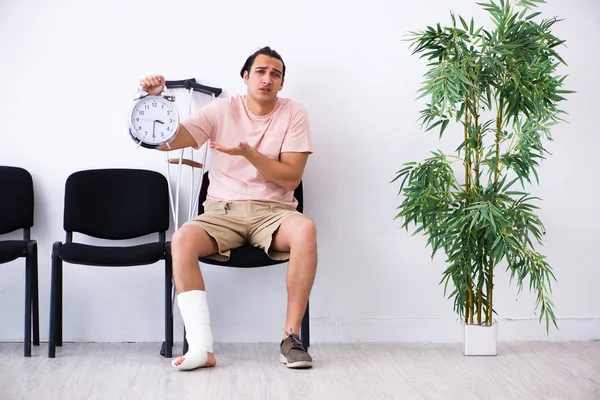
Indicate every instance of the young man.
{"type": "Point", "coordinates": [260, 144]}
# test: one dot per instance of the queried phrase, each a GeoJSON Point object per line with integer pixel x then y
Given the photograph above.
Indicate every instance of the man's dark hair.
{"type": "Point", "coordinates": [267, 51]}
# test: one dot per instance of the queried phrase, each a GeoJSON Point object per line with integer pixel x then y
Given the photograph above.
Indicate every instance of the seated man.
{"type": "Point", "coordinates": [260, 144]}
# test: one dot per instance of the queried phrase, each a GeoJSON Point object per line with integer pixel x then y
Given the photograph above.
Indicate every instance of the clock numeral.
{"type": "Point", "coordinates": [170, 120]}
{"type": "Point", "coordinates": [168, 128]}
{"type": "Point", "coordinates": [141, 112]}
{"type": "Point", "coordinates": [146, 106]}
{"type": "Point", "coordinates": [168, 112]}
{"type": "Point", "coordinates": [140, 127]}
{"type": "Point", "coordinates": [154, 104]}
{"type": "Point", "coordinates": [137, 120]}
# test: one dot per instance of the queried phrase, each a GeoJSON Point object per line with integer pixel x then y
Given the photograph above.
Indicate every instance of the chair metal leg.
{"type": "Point", "coordinates": [305, 327]}
{"type": "Point", "coordinates": [168, 308]}
{"type": "Point", "coordinates": [53, 303]}
{"type": "Point", "coordinates": [35, 296]}
{"type": "Point", "coordinates": [59, 302]}
{"type": "Point", "coordinates": [28, 271]}
{"type": "Point", "coordinates": [185, 343]}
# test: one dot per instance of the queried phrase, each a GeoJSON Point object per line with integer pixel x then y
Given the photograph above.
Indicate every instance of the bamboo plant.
{"type": "Point", "coordinates": [500, 90]}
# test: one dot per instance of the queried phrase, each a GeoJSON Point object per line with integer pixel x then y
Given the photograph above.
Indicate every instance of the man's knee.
{"type": "Point", "coordinates": [181, 242]}
{"type": "Point", "coordinates": [190, 241]}
{"type": "Point", "coordinates": [305, 232]}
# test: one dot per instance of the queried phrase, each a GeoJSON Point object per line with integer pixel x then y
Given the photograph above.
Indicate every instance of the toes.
{"type": "Point", "coordinates": [194, 359]}
{"type": "Point", "coordinates": [178, 361]}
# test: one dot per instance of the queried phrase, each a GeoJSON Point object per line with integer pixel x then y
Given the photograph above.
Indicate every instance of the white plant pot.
{"type": "Point", "coordinates": [480, 340]}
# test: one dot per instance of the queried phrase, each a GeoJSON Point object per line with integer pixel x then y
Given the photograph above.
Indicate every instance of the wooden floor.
{"type": "Point", "coordinates": [341, 371]}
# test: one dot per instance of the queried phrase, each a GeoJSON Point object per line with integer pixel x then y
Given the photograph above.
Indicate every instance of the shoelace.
{"type": "Point", "coordinates": [296, 343]}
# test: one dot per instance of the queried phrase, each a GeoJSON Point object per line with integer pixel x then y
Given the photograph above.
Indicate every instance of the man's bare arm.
{"type": "Point", "coordinates": [286, 172]}
{"type": "Point", "coordinates": [182, 139]}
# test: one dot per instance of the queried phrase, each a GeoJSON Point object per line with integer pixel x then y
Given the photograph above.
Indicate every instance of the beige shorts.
{"type": "Point", "coordinates": [247, 222]}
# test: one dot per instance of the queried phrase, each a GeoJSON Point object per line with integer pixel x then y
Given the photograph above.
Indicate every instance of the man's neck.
{"type": "Point", "coordinates": [260, 109]}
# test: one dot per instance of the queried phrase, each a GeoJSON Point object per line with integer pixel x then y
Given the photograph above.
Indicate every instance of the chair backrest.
{"type": "Point", "coordinates": [298, 194]}
{"type": "Point", "coordinates": [16, 199]}
{"type": "Point", "coordinates": [116, 203]}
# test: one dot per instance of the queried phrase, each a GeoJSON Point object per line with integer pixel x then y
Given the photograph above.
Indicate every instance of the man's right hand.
{"type": "Point", "coordinates": [153, 84]}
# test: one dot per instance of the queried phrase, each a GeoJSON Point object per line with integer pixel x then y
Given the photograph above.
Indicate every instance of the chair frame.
{"type": "Point", "coordinates": [56, 294]}
{"type": "Point", "coordinates": [30, 253]}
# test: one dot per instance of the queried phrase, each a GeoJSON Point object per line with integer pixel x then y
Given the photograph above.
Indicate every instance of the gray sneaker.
{"type": "Point", "coordinates": [293, 353]}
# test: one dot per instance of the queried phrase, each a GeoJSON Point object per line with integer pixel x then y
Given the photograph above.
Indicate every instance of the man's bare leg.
{"type": "Point", "coordinates": [298, 235]}
{"type": "Point", "coordinates": [188, 243]}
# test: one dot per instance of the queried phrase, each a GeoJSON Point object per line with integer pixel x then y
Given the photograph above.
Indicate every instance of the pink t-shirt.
{"type": "Point", "coordinates": [228, 122]}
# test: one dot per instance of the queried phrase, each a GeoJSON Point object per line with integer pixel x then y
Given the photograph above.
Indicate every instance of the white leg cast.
{"type": "Point", "coordinates": [196, 319]}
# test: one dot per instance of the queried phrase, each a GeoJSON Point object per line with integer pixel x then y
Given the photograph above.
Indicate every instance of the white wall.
{"type": "Point", "coordinates": [67, 73]}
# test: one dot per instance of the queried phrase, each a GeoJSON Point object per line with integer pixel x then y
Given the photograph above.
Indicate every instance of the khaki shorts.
{"type": "Point", "coordinates": [247, 222]}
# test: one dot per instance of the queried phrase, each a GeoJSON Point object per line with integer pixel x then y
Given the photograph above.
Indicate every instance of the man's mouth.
{"type": "Point", "coordinates": [265, 90]}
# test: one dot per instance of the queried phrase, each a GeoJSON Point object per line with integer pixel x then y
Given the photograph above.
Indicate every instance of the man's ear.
{"type": "Point", "coordinates": [246, 76]}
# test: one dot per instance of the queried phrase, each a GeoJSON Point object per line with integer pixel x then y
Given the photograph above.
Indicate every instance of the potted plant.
{"type": "Point", "coordinates": [500, 90]}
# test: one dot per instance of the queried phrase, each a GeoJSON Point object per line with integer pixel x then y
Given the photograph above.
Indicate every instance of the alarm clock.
{"type": "Point", "coordinates": [153, 120]}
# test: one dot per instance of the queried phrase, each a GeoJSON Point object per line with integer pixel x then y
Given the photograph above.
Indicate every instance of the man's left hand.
{"type": "Point", "coordinates": [241, 149]}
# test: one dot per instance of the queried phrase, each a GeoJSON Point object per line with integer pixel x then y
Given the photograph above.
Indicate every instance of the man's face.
{"type": "Point", "coordinates": [265, 79]}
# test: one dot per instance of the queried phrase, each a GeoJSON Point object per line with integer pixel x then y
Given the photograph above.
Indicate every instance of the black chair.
{"type": "Point", "coordinates": [251, 257]}
{"type": "Point", "coordinates": [114, 204]}
{"type": "Point", "coordinates": [16, 212]}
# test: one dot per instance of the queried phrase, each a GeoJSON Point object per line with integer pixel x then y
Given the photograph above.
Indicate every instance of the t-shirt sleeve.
{"type": "Point", "coordinates": [298, 137]}
{"type": "Point", "coordinates": [202, 124]}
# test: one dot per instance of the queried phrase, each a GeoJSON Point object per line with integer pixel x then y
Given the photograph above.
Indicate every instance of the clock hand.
{"type": "Point", "coordinates": [153, 129]}
{"type": "Point", "coordinates": [153, 120]}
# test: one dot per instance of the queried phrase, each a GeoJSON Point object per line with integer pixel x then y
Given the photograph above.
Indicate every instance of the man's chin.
{"type": "Point", "coordinates": [266, 98]}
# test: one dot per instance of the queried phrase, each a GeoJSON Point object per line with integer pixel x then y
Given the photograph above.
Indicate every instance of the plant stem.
{"type": "Point", "coordinates": [468, 186]}
{"type": "Point", "coordinates": [489, 315]}
{"type": "Point", "coordinates": [478, 148]}
{"type": "Point", "coordinates": [478, 151]}
{"type": "Point", "coordinates": [499, 118]}
{"type": "Point", "coordinates": [490, 271]}
{"type": "Point", "coordinates": [479, 306]}
{"type": "Point", "coordinates": [467, 150]}
{"type": "Point", "coordinates": [470, 313]}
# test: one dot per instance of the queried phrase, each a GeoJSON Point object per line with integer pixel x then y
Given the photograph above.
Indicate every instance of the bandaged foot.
{"type": "Point", "coordinates": [196, 318]}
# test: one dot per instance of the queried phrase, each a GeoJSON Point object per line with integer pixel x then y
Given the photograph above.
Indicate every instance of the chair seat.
{"type": "Point", "coordinates": [245, 257]}
{"type": "Point", "coordinates": [77, 253]}
{"type": "Point", "coordinates": [12, 249]}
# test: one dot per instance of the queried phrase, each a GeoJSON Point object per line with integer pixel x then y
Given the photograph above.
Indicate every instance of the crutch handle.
{"type": "Point", "coordinates": [186, 161]}
{"type": "Point", "coordinates": [206, 89]}
{"type": "Point", "coordinates": [192, 84]}
{"type": "Point", "coordinates": [180, 84]}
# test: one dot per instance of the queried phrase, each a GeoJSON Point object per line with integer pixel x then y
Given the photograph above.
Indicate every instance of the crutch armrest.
{"type": "Point", "coordinates": [180, 84]}
{"type": "Point", "coordinates": [186, 161]}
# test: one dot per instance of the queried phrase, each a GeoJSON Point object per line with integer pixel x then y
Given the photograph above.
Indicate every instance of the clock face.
{"type": "Point", "coordinates": [153, 120]}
